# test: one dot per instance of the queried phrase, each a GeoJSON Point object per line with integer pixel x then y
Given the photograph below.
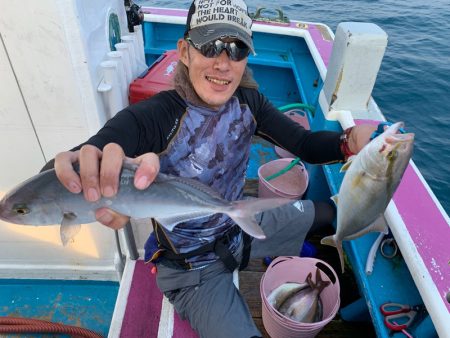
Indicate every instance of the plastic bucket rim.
{"type": "Point", "coordinates": [282, 329]}
{"type": "Point", "coordinates": [281, 259]}
{"type": "Point", "coordinates": [302, 167]}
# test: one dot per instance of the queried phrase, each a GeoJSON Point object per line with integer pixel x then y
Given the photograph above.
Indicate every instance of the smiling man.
{"type": "Point", "coordinates": [203, 130]}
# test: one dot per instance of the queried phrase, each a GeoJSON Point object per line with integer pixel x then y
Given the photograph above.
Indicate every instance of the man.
{"type": "Point", "coordinates": [203, 130]}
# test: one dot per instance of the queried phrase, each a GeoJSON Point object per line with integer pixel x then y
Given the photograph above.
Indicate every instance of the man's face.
{"type": "Point", "coordinates": [214, 79]}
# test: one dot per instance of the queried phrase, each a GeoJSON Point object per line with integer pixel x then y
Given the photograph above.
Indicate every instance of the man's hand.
{"type": "Point", "coordinates": [360, 136]}
{"type": "Point", "coordinates": [99, 176]}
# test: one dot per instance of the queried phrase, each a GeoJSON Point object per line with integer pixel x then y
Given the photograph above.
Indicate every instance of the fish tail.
{"type": "Point", "coordinates": [331, 241]}
{"type": "Point", "coordinates": [243, 213]}
{"type": "Point", "coordinates": [320, 283]}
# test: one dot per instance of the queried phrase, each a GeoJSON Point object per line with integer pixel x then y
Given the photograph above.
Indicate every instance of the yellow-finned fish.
{"type": "Point", "coordinates": [371, 178]}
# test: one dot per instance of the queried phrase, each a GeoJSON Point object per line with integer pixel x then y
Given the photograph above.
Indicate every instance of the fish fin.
{"type": "Point", "coordinates": [347, 164]}
{"type": "Point", "coordinates": [243, 213]}
{"type": "Point", "coordinates": [249, 225]}
{"type": "Point", "coordinates": [318, 276]}
{"type": "Point", "coordinates": [331, 241]}
{"type": "Point", "coordinates": [320, 283]}
{"type": "Point", "coordinates": [379, 225]}
{"type": "Point", "coordinates": [171, 222]}
{"type": "Point", "coordinates": [310, 281]}
{"type": "Point", "coordinates": [69, 229]}
{"type": "Point", "coordinates": [335, 199]}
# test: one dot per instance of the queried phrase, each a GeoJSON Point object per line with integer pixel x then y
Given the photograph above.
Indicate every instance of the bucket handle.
{"type": "Point", "coordinates": [321, 265]}
{"type": "Point", "coordinates": [284, 170]}
{"type": "Point", "coordinates": [279, 259]}
{"type": "Point", "coordinates": [292, 164]}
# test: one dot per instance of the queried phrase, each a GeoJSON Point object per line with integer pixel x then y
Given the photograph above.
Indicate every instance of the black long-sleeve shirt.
{"type": "Point", "coordinates": [150, 125]}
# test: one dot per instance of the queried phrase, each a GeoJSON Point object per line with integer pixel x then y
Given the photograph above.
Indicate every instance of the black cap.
{"type": "Point", "coordinates": [209, 20]}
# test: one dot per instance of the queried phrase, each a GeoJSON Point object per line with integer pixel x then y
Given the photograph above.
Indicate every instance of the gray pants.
{"type": "Point", "coordinates": [207, 297]}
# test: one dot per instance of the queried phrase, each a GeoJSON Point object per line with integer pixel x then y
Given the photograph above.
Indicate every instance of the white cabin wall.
{"type": "Point", "coordinates": [50, 51]}
{"type": "Point", "coordinates": [34, 37]}
{"type": "Point", "coordinates": [20, 153]}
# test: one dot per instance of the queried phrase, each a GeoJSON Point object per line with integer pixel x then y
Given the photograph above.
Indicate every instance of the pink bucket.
{"type": "Point", "coordinates": [300, 117]}
{"type": "Point", "coordinates": [291, 184]}
{"type": "Point", "coordinates": [295, 269]}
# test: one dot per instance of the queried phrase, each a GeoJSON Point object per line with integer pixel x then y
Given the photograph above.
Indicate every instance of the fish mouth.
{"type": "Point", "coordinates": [393, 135]}
{"type": "Point", "coordinates": [395, 138]}
{"type": "Point", "coordinates": [5, 213]}
{"type": "Point", "coordinates": [3, 209]}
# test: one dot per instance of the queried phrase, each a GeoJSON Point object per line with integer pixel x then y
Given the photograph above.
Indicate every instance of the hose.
{"type": "Point", "coordinates": [297, 105]}
{"type": "Point", "coordinates": [372, 253]}
{"type": "Point", "coordinates": [29, 325]}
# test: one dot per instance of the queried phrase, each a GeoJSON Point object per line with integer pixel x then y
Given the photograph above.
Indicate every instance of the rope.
{"type": "Point", "coordinates": [30, 325]}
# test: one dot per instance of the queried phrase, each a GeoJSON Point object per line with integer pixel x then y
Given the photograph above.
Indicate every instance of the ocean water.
{"type": "Point", "coordinates": [413, 84]}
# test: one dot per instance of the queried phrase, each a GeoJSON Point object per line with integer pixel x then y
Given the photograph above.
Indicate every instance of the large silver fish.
{"type": "Point", "coordinates": [370, 181]}
{"type": "Point", "coordinates": [43, 200]}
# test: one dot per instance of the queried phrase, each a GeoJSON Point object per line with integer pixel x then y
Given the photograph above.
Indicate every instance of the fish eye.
{"type": "Point", "coordinates": [392, 155]}
{"type": "Point", "coordinates": [21, 209]}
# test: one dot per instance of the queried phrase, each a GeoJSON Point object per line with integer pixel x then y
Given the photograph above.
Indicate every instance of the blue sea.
{"type": "Point", "coordinates": [413, 84]}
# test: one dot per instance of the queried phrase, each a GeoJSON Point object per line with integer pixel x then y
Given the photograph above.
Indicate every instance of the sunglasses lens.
{"type": "Point", "coordinates": [213, 49]}
{"type": "Point", "coordinates": [236, 50]}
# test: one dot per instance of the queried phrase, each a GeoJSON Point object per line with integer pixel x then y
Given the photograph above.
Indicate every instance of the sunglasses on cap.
{"type": "Point", "coordinates": [236, 50]}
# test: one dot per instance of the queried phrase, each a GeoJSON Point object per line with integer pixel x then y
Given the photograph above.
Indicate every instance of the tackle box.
{"type": "Point", "coordinates": [158, 77]}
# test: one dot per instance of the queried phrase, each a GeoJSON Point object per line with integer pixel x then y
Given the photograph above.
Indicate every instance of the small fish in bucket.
{"type": "Point", "coordinates": [297, 270]}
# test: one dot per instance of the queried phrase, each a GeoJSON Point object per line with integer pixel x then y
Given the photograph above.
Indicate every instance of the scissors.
{"type": "Point", "coordinates": [399, 317]}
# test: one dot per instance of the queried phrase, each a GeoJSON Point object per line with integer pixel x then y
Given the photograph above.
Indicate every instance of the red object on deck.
{"type": "Point", "coordinates": [158, 77]}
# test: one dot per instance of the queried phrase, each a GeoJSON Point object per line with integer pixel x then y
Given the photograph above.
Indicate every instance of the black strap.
{"type": "Point", "coordinates": [219, 247]}
{"type": "Point", "coordinates": [247, 239]}
{"type": "Point", "coordinates": [225, 255]}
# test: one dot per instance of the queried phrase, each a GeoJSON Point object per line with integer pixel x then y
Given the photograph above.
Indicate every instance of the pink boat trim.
{"type": "Point", "coordinates": [427, 226]}
{"type": "Point", "coordinates": [143, 311]}
{"type": "Point", "coordinates": [323, 46]}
